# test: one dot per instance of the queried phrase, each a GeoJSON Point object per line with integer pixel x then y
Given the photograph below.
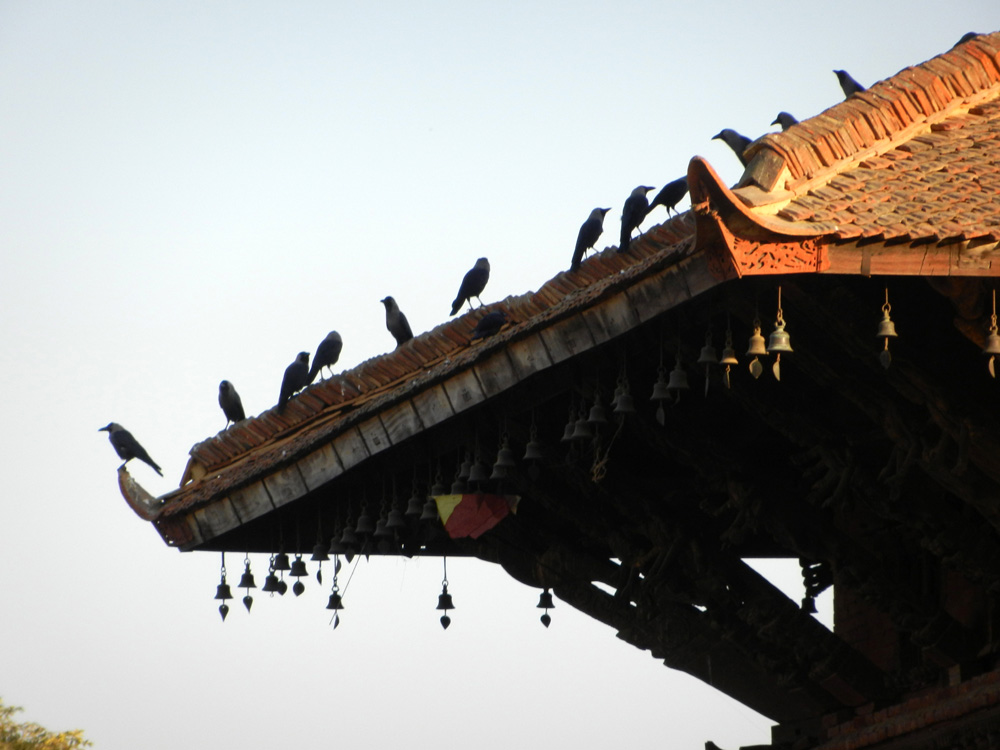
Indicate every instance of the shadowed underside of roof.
{"type": "Point", "coordinates": [916, 157]}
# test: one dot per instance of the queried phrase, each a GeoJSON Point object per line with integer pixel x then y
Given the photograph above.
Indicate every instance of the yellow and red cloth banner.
{"type": "Point", "coordinates": [474, 514]}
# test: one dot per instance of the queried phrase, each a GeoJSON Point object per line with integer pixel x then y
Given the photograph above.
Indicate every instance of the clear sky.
{"type": "Point", "coordinates": [192, 191]}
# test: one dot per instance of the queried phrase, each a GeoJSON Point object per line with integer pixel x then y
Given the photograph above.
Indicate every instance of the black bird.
{"type": "Point", "coordinates": [847, 84]}
{"type": "Point", "coordinates": [785, 120]}
{"type": "Point", "coordinates": [736, 141]}
{"type": "Point", "coordinates": [472, 285]}
{"type": "Point", "coordinates": [966, 37]}
{"type": "Point", "coordinates": [671, 194]}
{"type": "Point", "coordinates": [633, 212]}
{"type": "Point", "coordinates": [327, 354]}
{"type": "Point", "coordinates": [126, 446]}
{"type": "Point", "coordinates": [296, 378]}
{"type": "Point", "coordinates": [590, 232]}
{"type": "Point", "coordinates": [396, 322]}
{"type": "Point", "coordinates": [230, 402]}
{"type": "Point", "coordinates": [489, 324]}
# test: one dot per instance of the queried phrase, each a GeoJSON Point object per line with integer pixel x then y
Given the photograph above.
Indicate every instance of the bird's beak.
{"type": "Point", "coordinates": [102, 429]}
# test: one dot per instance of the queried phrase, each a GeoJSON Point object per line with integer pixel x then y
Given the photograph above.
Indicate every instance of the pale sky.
{"type": "Point", "coordinates": [192, 191]}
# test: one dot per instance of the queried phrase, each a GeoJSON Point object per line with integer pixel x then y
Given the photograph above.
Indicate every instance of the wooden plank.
{"type": "Point", "coordinates": [528, 356]}
{"type": "Point", "coordinates": [179, 531]}
{"type": "Point", "coordinates": [215, 519]}
{"type": "Point", "coordinates": [285, 485]}
{"type": "Point", "coordinates": [433, 406]}
{"type": "Point", "coordinates": [320, 466]}
{"type": "Point", "coordinates": [373, 433]}
{"type": "Point", "coordinates": [464, 391]}
{"type": "Point", "coordinates": [613, 317]}
{"type": "Point", "coordinates": [251, 502]}
{"type": "Point", "coordinates": [401, 422]}
{"type": "Point", "coordinates": [567, 338]}
{"type": "Point", "coordinates": [350, 447]}
{"type": "Point", "coordinates": [658, 293]}
{"type": "Point", "coordinates": [496, 374]}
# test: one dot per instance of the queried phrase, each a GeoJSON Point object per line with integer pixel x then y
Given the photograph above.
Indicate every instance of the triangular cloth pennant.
{"type": "Point", "coordinates": [473, 515]}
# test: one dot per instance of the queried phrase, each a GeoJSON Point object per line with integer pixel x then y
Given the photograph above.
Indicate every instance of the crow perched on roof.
{"type": "Point", "coordinates": [590, 232]}
{"type": "Point", "coordinates": [671, 194]}
{"type": "Point", "coordinates": [327, 354]}
{"type": "Point", "coordinates": [966, 37]}
{"type": "Point", "coordinates": [396, 322]}
{"type": "Point", "coordinates": [472, 285]}
{"type": "Point", "coordinates": [633, 212]}
{"type": "Point", "coordinates": [126, 446]}
{"type": "Point", "coordinates": [847, 84]}
{"type": "Point", "coordinates": [230, 402]}
{"type": "Point", "coordinates": [489, 324]}
{"type": "Point", "coordinates": [736, 141]}
{"type": "Point", "coordinates": [295, 379]}
{"type": "Point", "coordinates": [785, 120]}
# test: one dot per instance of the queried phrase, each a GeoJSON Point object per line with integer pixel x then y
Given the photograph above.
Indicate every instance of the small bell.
{"type": "Point", "coordinates": [281, 562]}
{"type": "Point", "coordinates": [660, 390]}
{"type": "Point", "coordinates": [478, 472]}
{"type": "Point", "coordinates": [270, 583]}
{"type": "Point", "coordinates": [395, 520]}
{"type": "Point", "coordinates": [414, 504]}
{"type": "Point", "coordinates": [757, 347]}
{"type": "Point", "coordinates": [545, 602]}
{"type": "Point", "coordinates": [381, 532]}
{"type": "Point", "coordinates": [597, 415]}
{"type": "Point", "coordinates": [365, 527]}
{"type": "Point", "coordinates": [567, 435]}
{"type": "Point", "coordinates": [298, 569]}
{"type": "Point", "coordinates": [458, 487]}
{"type": "Point", "coordinates": [581, 430]}
{"type": "Point", "coordinates": [445, 603]}
{"type": "Point", "coordinates": [466, 467]}
{"type": "Point", "coordinates": [886, 330]}
{"type": "Point", "coordinates": [809, 605]}
{"type": "Point", "coordinates": [222, 591]}
{"type": "Point", "coordinates": [993, 339]}
{"type": "Point", "coordinates": [336, 546]}
{"type": "Point", "coordinates": [319, 552]}
{"type": "Point", "coordinates": [625, 404]}
{"type": "Point", "coordinates": [533, 450]}
{"type": "Point", "coordinates": [779, 340]}
{"type": "Point", "coordinates": [348, 539]}
{"type": "Point", "coordinates": [247, 581]}
{"type": "Point", "coordinates": [438, 488]}
{"type": "Point", "coordinates": [336, 602]}
{"type": "Point", "coordinates": [708, 355]}
{"type": "Point", "coordinates": [430, 511]}
{"type": "Point", "coordinates": [678, 378]}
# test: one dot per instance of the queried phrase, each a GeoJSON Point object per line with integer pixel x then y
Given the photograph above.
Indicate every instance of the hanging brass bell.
{"type": "Point", "coordinates": [336, 546]}
{"type": "Point", "coordinates": [779, 340]}
{"type": "Point", "coordinates": [270, 583]}
{"type": "Point", "coordinates": [414, 504]}
{"type": "Point", "coordinates": [395, 520]}
{"type": "Point", "coordinates": [678, 378]}
{"type": "Point", "coordinates": [247, 581]}
{"type": "Point", "coordinates": [281, 562]}
{"type": "Point", "coordinates": [365, 525]}
{"type": "Point", "coordinates": [886, 327]}
{"type": "Point", "coordinates": [708, 355]}
{"type": "Point", "coordinates": [444, 600]}
{"type": "Point", "coordinates": [567, 435]}
{"type": "Point", "coordinates": [581, 430]}
{"type": "Point", "coordinates": [348, 539]}
{"type": "Point", "coordinates": [438, 488]}
{"type": "Point", "coordinates": [319, 552]}
{"type": "Point", "coordinates": [430, 512]}
{"type": "Point", "coordinates": [222, 591]}
{"type": "Point", "coordinates": [660, 391]}
{"type": "Point", "coordinates": [466, 467]}
{"type": "Point", "coordinates": [381, 532]}
{"type": "Point", "coordinates": [298, 567]}
{"type": "Point", "coordinates": [757, 347]}
{"type": "Point", "coordinates": [992, 342]}
{"type": "Point", "coordinates": [505, 456]}
{"type": "Point", "coordinates": [729, 356]}
{"type": "Point", "coordinates": [597, 415]}
{"type": "Point", "coordinates": [809, 603]}
{"type": "Point", "coordinates": [458, 487]}
{"type": "Point", "coordinates": [336, 602]}
{"type": "Point", "coordinates": [545, 600]}
{"type": "Point", "coordinates": [625, 404]}
{"type": "Point", "coordinates": [478, 472]}
{"type": "Point", "coordinates": [533, 450]}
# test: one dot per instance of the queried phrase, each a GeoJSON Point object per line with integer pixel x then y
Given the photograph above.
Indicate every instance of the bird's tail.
{"type": "Point", "coordinates": [313, 372]}
{"type": "Point", "coordinates": [156, 468]}
{"type": "Point", "coordinates": [457, 305]}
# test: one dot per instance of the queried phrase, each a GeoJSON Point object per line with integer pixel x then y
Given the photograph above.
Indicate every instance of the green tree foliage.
{"type": "Point", "coordinates": [30, 736]}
